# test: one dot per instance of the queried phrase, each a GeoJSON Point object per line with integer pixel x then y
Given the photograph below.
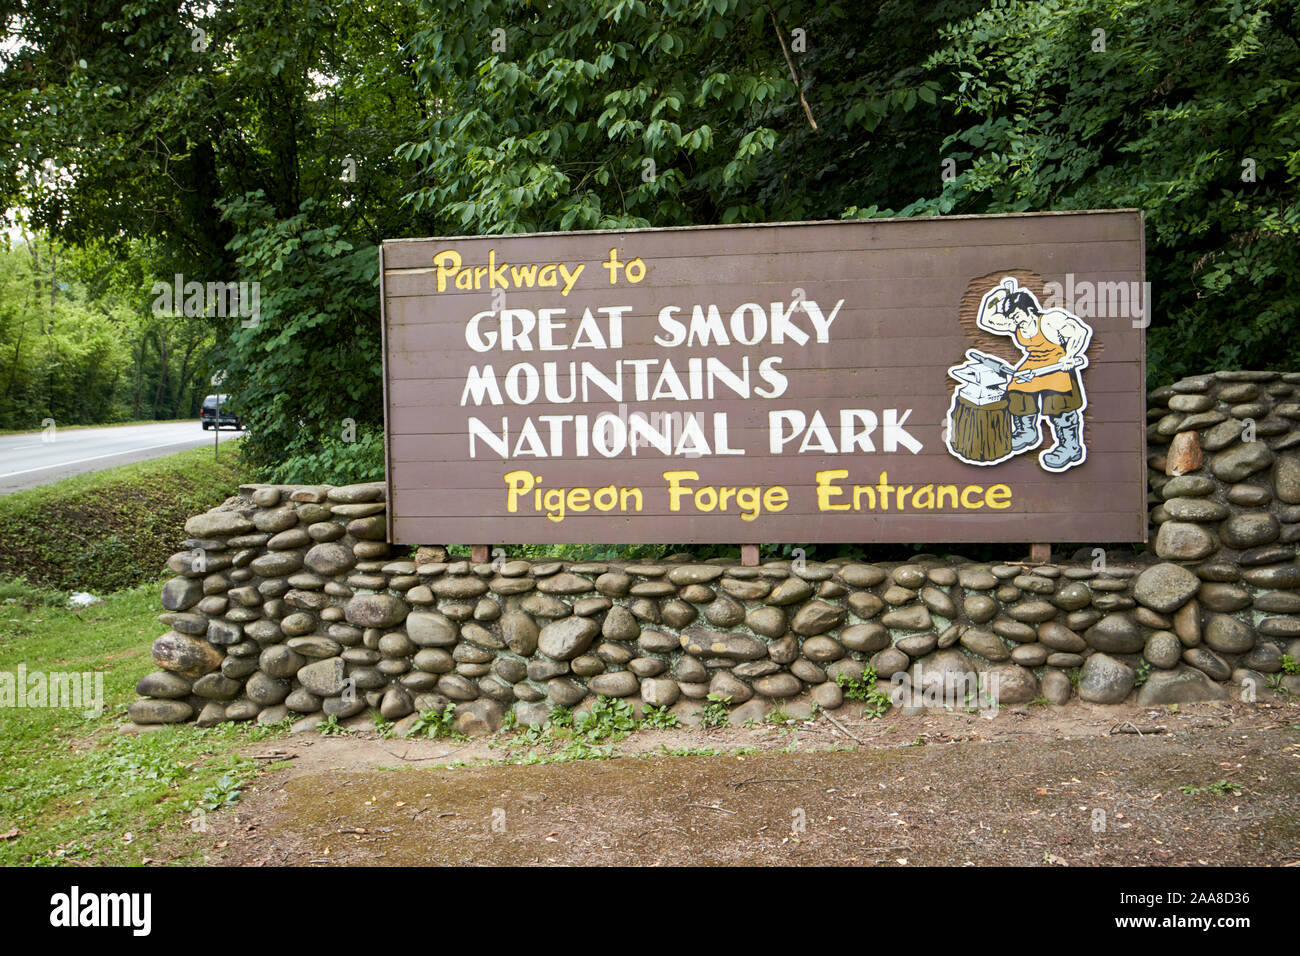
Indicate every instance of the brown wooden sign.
{"type": "Point", "coordinates": [965, 378]}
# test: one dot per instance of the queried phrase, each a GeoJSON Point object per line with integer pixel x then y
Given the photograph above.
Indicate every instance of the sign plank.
{"type": "Point", "coordinates": [969, 378]}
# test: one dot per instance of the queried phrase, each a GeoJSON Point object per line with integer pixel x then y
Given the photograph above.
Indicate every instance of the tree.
{"type": "Point", "coordinates": [1188, 111]}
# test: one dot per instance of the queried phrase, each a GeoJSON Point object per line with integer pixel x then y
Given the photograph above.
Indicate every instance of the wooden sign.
{"type": "Point", "coordinates": [965, 378]}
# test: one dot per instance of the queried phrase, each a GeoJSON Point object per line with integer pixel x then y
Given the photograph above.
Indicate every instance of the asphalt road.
{"type": "Point", "coordinates": [29, 460]}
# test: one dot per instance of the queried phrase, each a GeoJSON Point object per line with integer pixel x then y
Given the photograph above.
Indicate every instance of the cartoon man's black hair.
{"type": "Point", "coordinates": [1019, 300]}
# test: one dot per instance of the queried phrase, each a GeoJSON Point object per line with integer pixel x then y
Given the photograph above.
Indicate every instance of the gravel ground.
{"type": "Point", "coordinates": [1074, 785]}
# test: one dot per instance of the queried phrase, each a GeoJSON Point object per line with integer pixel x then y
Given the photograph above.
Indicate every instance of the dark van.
{"type": "Point", "coordinates": [209, 411]}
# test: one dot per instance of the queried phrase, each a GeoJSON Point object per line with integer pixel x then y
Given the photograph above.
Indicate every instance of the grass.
{"type": "Point", "coordinates": [112, 529]}
{"type": "Point", "coordinates": [73, 788]}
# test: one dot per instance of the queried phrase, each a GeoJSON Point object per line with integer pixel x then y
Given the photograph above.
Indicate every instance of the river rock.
{"type": "Point", "coordinates": [1105, 680]}
{"type": "Point", "coordinates": [323, 678]}
{"type": "Point", "coordinates": [185, 655]}
{"type": "Point", "coordinates": [566, 638]}
{"type": "Point", "coordinates": [1181, 686]}
{"type": "Point", "coordinates": [1165, 587]}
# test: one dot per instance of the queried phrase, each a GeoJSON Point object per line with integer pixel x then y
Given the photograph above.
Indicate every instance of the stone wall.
{"type": "Point", "coordinates": [289, 602]}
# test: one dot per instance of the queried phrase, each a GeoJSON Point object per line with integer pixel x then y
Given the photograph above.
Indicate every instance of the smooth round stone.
{"type": "Point", "coordinates": [865, 605]}
{"type": "Point", "coordinates": [939, 603]}
{"type": "Point", "coordinates": [724, 612]}
{"type": "Point", "coordinates": [302, 701]}
{"type": "Point", "coordinates": [864, 638]}
{"type": "Point", "coordinates": [647, 666]}
{"type": "Point", "coordinates": [907, 619]}
{"type": "Point", "coordinates": [1227, 635]}
{"type": "Point", "coordinates": [1267, 555]}
{"type": "Point", "coordinates": [1149, 618]}
{"type": "Point", "coordinates": [862, 575]}
{"type": "Point", "coordinates": [1064, 660]}
{"type": "Point", "coordinates": [458, 687]}
{"type": "Point", "coordinates": [1115, 634]}
{"type": "Point", "coordinates": [1187, 486]}
{"type": "Point", "coordinates": [980, 608]}
{"type": "Point", "coordinates": [1016, 631]}
{"type": "Point", "coordinates": [807, 671]}
{"type": "Point", "coordinates": [896, 596]}
{"type": "Point", "coordinates": [657, 642]}
{"type": "Point", "coordinates": [315, 647]}
{"type": "Point", "coordinates": [828, 695]}
{"type": "Point", "coordinates": [917, 645]}
{"type": "Point", "coordinates": [909, 576]}
{"type": "Point", "coordinates": [1264, 657]}
{"type": "Point", "coordinates": [1218, 571]}
{"type": "Point", "coordinates": [1242, 461]}
{"type": "Point", "coordinates": [778, 685]}
{"type": "Point", "coordinates": [469, 654]}
{"type": "Point", "coordinates": [1283, 627]}
{"type": "Point", "coordinates": [822, 649]}
{"type": "Point", "coordinates": [1207, 662]}
{"type": "Point", "coordinates": [1184, 541]}
{"type": "Point", "coordinates": [1224, 598]}
{"type": "Point", "coordinates": [1195, 509]}
{"type": "Point", "coordinates": [1187, 623]}
{"type": "Point", "coordinates": [1105, 680]}
{"type": "Point", "coordinates": [688, 670]}
{"type": "Point", "coordinates": [815, 617]}
{"type": "Point", "coordinates": [785, 650]}
{"type": "Point", "coordinates": [944, 577]}
{"type": "Point", "coordinates": [660, 692]}
{"type": "Point", "coordinates": [976, 579]}
{"type": "Point", "coordinates": [281, 661]}
{"type": "Point", "coordinates": [265, 690]}
{"type": "Point", "coordinates": [587, 665]}
{"type": "Point", "coordinates": [611, 653]}
{"type": "Point", "coordinates": [1249, 530]}
{"type": "Point", "coordinates": [1163, 649]}
{"type": "Point", "coordinates": [1274, 576]}
{"type": "Point", "coordinates": [889, 662]}
{"type": "Point", "coordinates": [1032, 612]}
{"type": "Point", "coordinates": [1249, 496]}
{"type": "Point", "coordinates": [1030, 655]}
{"type": "Point", "coordinates": [396, 644]}
{"type": "Point", "coordinates": [1278, 602]}
{"type": "Point", "coordinates": [984, 643]}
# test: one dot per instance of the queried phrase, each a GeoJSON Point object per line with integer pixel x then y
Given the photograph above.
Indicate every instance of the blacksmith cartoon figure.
{"type": "Point", "coordinates": [998, 409]}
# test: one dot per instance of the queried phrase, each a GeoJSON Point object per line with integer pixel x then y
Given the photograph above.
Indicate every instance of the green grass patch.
{"type": "Point", "coordinates": [111, 529]}
{"type": "Point", "coordinates": [73, 787]}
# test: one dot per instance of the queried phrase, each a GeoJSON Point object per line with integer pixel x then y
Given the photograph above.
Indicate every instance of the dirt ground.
{"type": "Point", "coordinates": [1074, 785]}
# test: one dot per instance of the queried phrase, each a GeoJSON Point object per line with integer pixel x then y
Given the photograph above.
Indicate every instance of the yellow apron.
{"type": "Point", "coordinates": [1041, 353]}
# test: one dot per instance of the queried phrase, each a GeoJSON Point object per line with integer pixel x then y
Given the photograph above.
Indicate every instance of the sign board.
{"type": "Point", "coordinates": [964, 378]}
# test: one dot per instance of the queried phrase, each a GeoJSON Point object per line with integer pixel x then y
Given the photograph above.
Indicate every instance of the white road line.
{"type": "Point", "coordinates": [111, 454]}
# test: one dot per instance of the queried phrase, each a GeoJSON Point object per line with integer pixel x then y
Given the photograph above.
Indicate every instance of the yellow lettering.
{"type": "Point", "coordinates": [827, 489]}
{"type": "Point", "coordinates": [519, 483]}
{"type": "Point", "coordinates": [902, 495]}
{"type": "Point", "coordinates": [553, 501]}
{"type": "Point", "coordinates": [675, 490]}
{"type": "Point", "coordinates": [447, 261]}
{"type": "Point", "coordinates": [998, 496]}
{"type": "Point", "coordinates": [610, 494]}
{"type": "Point", "coordinates": [965, 497]}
